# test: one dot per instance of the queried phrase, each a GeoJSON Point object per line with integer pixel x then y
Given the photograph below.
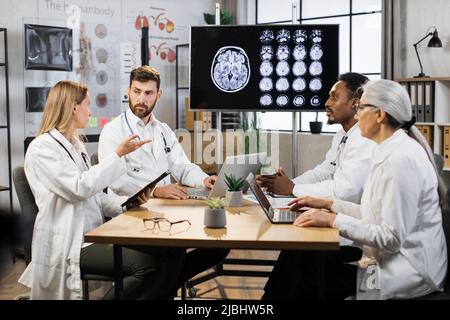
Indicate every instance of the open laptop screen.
{"type": "Point", "coordinates": [259, 194]}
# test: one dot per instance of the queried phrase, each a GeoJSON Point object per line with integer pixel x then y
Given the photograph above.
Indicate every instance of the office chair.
{"type": "Point", "coordinates": [30, 211]}
{"type": "Point", "coordinates": [28, 208]}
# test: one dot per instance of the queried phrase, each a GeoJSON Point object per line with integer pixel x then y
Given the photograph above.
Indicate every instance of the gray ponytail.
{"type": "Point", "coordinates": [395, 101]}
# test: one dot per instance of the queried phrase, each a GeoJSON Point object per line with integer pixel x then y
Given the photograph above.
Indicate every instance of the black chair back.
{"type": "Point", "coordinates": [27, 206]}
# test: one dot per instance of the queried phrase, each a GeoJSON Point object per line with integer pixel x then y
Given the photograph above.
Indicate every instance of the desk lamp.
{"type": "Point", "coordinates": [435, 42]}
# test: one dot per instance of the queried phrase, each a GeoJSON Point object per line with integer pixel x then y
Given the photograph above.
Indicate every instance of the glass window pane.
{"type": "Point", "coordinates": [322, 8]}
{"type": "Point", "coordinates": [271, 11]}
{"type": "Point", "coordinates": [366, 6]}
{"type": "Point", "coordinates": [373, 76]}
{"type": "Point", "coordinates": [344, 39]}
{"type": "Point", "coordinates": [366, 43]}
{"type": "Point", "coordinates": [276, 120]}
{"type": "Point", "coordinates": [306, 117]}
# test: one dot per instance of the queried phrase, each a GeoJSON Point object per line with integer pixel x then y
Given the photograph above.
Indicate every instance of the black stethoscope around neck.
{"type": "Point", "coordinates": [83, 155]}
{"type": "Point", "coordinates": [166, 147]}
{"type": "Point", "coordinates": [339, 150]}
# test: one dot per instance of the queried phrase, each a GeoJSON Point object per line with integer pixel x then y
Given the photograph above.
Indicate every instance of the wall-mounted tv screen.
{"type": "Point", "coordinates": [263, 67]}
{"type": "Point", "coordinates": [48, 48]}
{"type": "Point", "coordinates": [36, 98]}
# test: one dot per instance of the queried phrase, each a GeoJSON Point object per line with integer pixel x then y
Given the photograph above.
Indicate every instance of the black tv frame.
{"type": "Point", "coordinates": [205, 95]}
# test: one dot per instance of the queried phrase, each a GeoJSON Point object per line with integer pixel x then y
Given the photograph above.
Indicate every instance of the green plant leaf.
{"type": "Point", "coordinates": [216, 203]}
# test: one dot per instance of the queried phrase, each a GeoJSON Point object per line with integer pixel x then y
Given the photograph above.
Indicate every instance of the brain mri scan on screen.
{"type": "Point", "coordinates": [262, 67]}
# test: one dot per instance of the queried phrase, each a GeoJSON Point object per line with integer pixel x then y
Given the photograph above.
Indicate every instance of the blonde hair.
{"type": "Point", "coordinates": [58, 110]}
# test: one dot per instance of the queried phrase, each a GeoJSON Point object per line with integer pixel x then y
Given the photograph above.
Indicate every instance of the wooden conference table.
{"type": "Point", "coordinates": [247, 228]}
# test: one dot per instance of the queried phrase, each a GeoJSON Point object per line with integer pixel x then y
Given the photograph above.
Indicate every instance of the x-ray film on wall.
{"type": "Point", "coordinates": [48, 48]}
{"type": "Point", "coordinates": [265, 67]}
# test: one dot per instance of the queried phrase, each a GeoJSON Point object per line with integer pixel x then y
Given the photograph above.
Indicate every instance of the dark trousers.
{"type": "Point", "coordinates": [199, 260]}
{"type": "Point", "coordinates": [148, 272]}
{"type": "Point", "coordinates": [295, 275]}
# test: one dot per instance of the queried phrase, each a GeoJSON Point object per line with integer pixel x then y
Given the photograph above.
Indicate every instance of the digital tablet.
{"type": "Point", "coordinates": [130, 201]}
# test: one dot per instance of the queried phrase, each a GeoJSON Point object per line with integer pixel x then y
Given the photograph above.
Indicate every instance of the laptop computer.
{"type": "Point", "coordinates": [277, 216]}
{"type": "Point", "coordinates": [131, 200]}
{"type": "Point", "coordinates": [239, 166]}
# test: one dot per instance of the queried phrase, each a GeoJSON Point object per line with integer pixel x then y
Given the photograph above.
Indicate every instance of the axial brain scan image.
{"type": "Point", "coordinates": [299, 84]}
{"type": "Point", "coordinates": [316, 52]}
{"type": "Point", "coordinates": [266, 53]}
{"type": "Point", "coordinates": [283, 36]}
{"type": "Point", "coordinates": [315, 101]}
{"type": "Point", "coordinates": [266, 36]}
{"type": "Point", "coordinates": [316, 36]}
{"type": "Point", "coordinates": [299, 101]}
{"type": "Point", "coordinates": [299, 52]}
{"type": "Point", "coordinates": [315, 84]}
{"type": "Point", "coordinates": [230, 69]}
{"type": "Point", "coordinates": [299, 68]}
{"type": "Point", "coordinates": [300, 36]}
{"type": "Point", "coordinates": [282, 84]}
{"type": "Point", "coordinates": [266, 84]}
{"type": "Point", "coordinates": [283, 52]}
{"type": "Point", "coordinates": [266, 100]}
{"type": "Point", "coordinates": [282, 68]}
{"type": "Point", "coordinates": [282, 100]}
{"type": "Point", "coordinates": [315, 68]}
{"type": "Point", "coordinates": [266, 68]}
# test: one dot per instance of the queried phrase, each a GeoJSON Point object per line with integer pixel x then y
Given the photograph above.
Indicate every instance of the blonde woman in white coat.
{"type": "Point", "coordinates": [399, 222]}
{"type": "Point", "coordinates": [69, 196]}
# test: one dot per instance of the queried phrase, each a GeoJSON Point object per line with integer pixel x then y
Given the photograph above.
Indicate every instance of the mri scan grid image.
{"type": "Point", "coordinates": [263, 67]}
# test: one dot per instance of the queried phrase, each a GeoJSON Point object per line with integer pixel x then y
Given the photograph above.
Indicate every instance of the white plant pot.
{"type": "Point", "coordinates": [233, 198]}
{"type": "Point", "coordinates": [215, 218]}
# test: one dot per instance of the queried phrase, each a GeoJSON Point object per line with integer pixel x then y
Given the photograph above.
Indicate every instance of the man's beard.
{"type": "Point", "coordinates": [331, 121]}
{"type": "Point", "coordinates": [141, 114]}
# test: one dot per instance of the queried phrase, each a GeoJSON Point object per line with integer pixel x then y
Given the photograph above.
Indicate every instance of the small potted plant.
{"type": "Point", "coordinates": [233, 196]}
{"type": "Point", "coordinates": [215, 214]}
{"type": "Point", "coordinates": [316, 126]}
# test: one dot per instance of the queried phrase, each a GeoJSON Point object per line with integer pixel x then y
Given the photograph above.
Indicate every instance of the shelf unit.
{"type": "Point", "coordinates": [5, 127]}
{"type": "Point", "coordinates": [439, 127]}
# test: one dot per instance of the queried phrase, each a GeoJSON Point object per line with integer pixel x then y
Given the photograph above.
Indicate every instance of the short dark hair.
{"type": "Point", "coordinates": [354, 82]}
{"type": "Point", "coordinates": [144, 74]}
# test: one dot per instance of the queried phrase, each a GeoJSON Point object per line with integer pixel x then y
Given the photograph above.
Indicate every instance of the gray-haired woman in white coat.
{"type": "Point", "coordinates": [399, 222]}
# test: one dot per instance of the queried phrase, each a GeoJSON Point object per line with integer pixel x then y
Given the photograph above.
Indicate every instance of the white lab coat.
{"type": "Point", "coordinates": [399, 218]}
{"type": "Point", "coordinates": [151, 160]}
{"type": "Point", "coordinates": [70, 202]}
{"type": "Point", "coordinates": [345, 180]}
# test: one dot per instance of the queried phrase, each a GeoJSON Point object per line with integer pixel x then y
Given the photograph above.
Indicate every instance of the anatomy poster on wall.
{"type": "Point", "coordinates": [270, 67]}
{"type": "Point", "coordinates": [168, 26]}
{"type": "Point", "coordinates": [106, 46]}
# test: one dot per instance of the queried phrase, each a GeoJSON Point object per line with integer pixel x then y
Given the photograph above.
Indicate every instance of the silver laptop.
{"type": "Point", "coordinates": [239, 166]}
{"type": "Point", "coordinates": [278, 216]}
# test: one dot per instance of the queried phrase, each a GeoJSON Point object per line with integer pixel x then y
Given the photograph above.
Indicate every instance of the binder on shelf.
{"type": "Point", "coordinates": [427, 132]}
{"type": "Point", "coordinates": [413, 96]}
{"type": "Point", "coordinates": [446, 147]}
{"type": "Point", "coordinates": [420, 104]}
{"type": "Point", "coordinates": [429, 101]}
{"type": "Point", "coordinates": [405, 85]}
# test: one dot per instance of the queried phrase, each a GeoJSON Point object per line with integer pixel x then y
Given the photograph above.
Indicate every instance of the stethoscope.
{"type": "Point", "coordinates": [166, 147]}
{"type": "Point", "coordinates": [339, 150]}
{"type": "Point", "coordinates": [83, 155]}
